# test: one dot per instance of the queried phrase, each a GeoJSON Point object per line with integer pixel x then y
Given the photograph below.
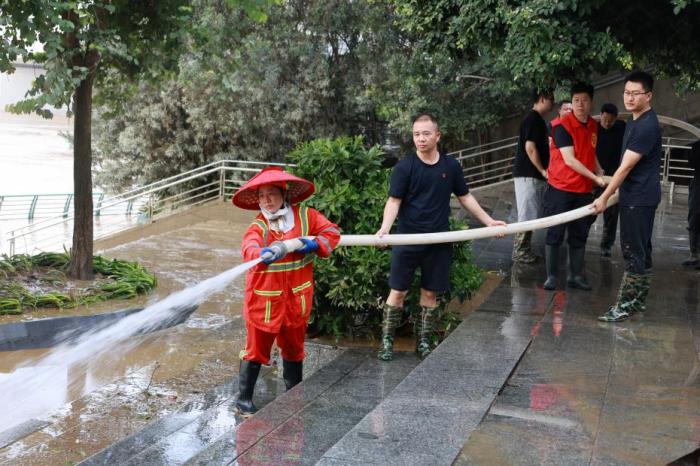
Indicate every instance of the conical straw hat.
{"type": "Point", "coordinates": [296, 189]}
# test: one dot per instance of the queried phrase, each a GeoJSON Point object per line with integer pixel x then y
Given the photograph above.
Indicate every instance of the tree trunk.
{"type": "Point", "coordinates": [81, 254]}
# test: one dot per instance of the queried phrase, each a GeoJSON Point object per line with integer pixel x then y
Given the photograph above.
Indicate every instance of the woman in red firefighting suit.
{"type": "Point", "coordinates": [279, 291]}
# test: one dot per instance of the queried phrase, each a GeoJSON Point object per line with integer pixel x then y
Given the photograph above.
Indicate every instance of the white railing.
{"type": "Point", "coordinates": [492, 163]}
{"type": "Point", "coordinates": [216, 180]}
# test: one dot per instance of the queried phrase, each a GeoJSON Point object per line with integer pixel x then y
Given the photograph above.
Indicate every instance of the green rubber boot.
{"type": "Point", "coordinates": [392, 317]}
{"type": "Point", "coordinates": [425, 331]}
{"type": "Point", "coordinates": [626, 299]}
{"type": "Point", "coordinates": [642, 289]}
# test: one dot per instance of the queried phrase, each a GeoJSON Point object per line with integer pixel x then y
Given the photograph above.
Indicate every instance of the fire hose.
{"type": "Point", "coordinates": [461, 235]}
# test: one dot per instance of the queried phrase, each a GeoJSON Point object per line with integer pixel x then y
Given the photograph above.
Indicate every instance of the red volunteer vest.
{"type": "Point", "coordinates": [585, 138]}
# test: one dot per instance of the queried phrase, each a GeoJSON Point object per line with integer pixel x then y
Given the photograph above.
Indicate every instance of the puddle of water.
{"type": "Point", "coordinates": [30, 391]}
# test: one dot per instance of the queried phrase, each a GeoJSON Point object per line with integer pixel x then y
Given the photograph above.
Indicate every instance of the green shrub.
{"type": "Point", "coordinates": [351, 190]}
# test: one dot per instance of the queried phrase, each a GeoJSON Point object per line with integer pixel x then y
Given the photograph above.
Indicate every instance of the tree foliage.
{"type": "Point", "coordinates": [80, 45]}
{"type": "Point", "coordinates": [544, 42]}
{"type": "Point", "coordinates": [255, 93]}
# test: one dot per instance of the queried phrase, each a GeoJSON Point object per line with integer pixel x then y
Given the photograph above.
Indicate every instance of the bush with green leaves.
{"type": "Point", "coordinates": [120, 280]}
{"type": "Point", "coordinates": [351, 190]}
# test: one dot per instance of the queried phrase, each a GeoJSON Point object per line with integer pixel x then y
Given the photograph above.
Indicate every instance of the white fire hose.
{"type": "Point", "coordinates": [476, 233]}
{"type": "Point", "coordinates": [461, 235]}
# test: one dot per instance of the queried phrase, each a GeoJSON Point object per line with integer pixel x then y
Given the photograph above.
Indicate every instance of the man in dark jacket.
{"type": "Point", "coordinates": [608, 150]}
{"type": "Point", "coordinates": [694, 207]}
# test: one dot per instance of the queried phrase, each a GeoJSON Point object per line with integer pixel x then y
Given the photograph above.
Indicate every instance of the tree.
{"type": "Point", "coordinates": [545, 42]}
{"type": "Point", "coordinates": [303, 74]}
{"type": "Point", "coordinates": [83, 45]}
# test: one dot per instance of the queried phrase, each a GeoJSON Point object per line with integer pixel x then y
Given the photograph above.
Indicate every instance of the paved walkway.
{"type": "Point", "coordinates": [528, 378]}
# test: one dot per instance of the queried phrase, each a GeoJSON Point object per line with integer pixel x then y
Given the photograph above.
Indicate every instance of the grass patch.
{"type": "Point", "coordinates": [39, 281]}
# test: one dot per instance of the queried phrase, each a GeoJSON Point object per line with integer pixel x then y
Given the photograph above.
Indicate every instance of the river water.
{"type": "Point", "coordinates": [34, 157]}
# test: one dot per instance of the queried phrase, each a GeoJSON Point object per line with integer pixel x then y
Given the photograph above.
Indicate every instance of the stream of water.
{"type": "Point", "coordinates": [23, 393]}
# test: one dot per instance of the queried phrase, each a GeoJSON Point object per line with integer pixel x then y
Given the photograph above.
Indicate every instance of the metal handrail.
{"type": "Point", "coordinates": [144, 197]}
{"type": "Point", "coordinates": [479, 173]}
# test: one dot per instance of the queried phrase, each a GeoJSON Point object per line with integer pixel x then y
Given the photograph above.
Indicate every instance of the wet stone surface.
{"type": "Point", "coordinates": [531, 377]}
{"type": "Point", "coordinates": [587, 392]}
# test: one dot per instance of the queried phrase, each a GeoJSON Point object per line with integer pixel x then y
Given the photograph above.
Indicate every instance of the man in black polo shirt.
{"type": "Point", "coordinates": [640, 193]}
{"type": "Point", "coordinates": [608, 150]}
{"type": "Point", "coordinates": [530, 171]}
{"type": "Point", "coordinates": [419, 194]}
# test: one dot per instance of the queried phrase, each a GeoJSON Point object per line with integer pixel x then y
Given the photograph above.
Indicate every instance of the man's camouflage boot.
{"type": "Point", "coordinates": [626, 297]}
{"type": "Point", "coordinates": [246, 385]}
{"type": "Point", "coordinates": [392, 317]}
{"type": "Point", "coordinates": [694, 240]}
{"type": "Point", "coordinates": [642, 288]}
{"type": "Point", "coordinates": [522, 252]}
{"type": "Point", "coordinates": [424, 330]}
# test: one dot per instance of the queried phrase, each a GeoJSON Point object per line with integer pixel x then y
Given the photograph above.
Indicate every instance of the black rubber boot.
{"type": "Point", "coordinates": [576, 278]}
{"type": "Point", "coordinates": [551, 256]}
{"type": "Point", "coordinates": [246, 385]}
{"type": "Point", "coordinates": [292, 373]}
{"type": "Point", "coordinates": [693, 239]}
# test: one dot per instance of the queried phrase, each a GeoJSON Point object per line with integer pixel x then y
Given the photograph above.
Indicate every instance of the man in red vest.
{"type": "Point", "coordinates": [573, 169]}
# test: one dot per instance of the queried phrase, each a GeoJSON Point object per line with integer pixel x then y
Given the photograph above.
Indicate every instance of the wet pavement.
{"type": "Point", "coordinates": [530, 377]}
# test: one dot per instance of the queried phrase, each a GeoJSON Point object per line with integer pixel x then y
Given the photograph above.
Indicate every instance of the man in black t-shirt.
{"type": "Point", "coordinates": [530, 171]}
{"type": "Point", "coordinates": [419, 195]}
{"type": "Point", "coordinates": [640, 193]}
{"type": "Point", "coordinates": [608, 151]}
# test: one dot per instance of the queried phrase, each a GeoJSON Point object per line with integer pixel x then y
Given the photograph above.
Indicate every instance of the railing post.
{"type": "Point", "coordinates": [667, 163]}
{"type": "Point", "coordinates": [66, 206]}
{"type": "Point", "coordinates": [35, 199]}
{"type": "Point", "coordinates": [99, 204]}
{"type": "Point", "coordinates": [150, 208]}
{"type": "Point", "coordinates": [222, 181]}
{"type": "Point", "coordinates": [12, 245]}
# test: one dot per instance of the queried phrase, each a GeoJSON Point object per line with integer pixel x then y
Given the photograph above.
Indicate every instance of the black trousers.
{"type": "Point", "coordinates": [610, 216]}
{"type": "Point", "coordinates": [636, 225]}
{"type": "Point", "coordinates": [694, 206]}
{"type": "Point", "coordinates": [557, 201]}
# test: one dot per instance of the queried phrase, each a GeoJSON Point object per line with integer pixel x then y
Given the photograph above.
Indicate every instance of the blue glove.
{"type": "Point", "coordinates": [275, 251]}
{"type": "Point", "coordinates": [310, 245]}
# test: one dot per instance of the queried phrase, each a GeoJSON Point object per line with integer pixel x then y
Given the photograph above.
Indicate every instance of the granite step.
{"type": "Point", "coordinates": [427, 417]}
{"type": "Point", "coordinates": [302, 423]}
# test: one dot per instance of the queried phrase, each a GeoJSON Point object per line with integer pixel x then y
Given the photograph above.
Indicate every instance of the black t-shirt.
{"type": "Point", "coordinates": [642, 187]}
{"type": "Point", "coordinates": [425, 192]}
{"type": "Point", "coordinates": [533, 128]}
{"type": "Point", "coordinates": [609, 147]}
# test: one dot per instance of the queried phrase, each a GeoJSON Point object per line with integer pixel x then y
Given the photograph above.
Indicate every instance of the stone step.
{"type": "Point", "coordinates": [429, 415]}
{"type": "Point", "coordinates": [303, 422]}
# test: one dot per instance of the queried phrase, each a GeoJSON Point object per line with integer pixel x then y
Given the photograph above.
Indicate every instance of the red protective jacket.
{"type": "Point", "coordinates": [282, 293]}
{"type": "Point", "coordinates": [585, 138]}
